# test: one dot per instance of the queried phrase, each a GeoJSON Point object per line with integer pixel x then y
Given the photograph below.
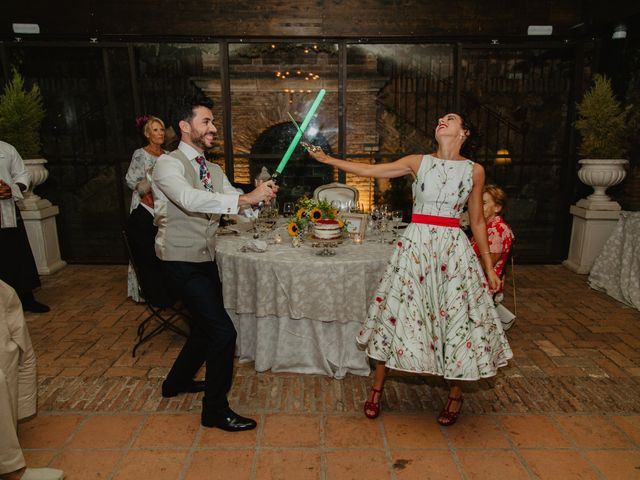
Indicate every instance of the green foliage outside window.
{"type": "Point", "coordinates": [21, 114]}
{"type": "Point", "coordinates": [601, 122]}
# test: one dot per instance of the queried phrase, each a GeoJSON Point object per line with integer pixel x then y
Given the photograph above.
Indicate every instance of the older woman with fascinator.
{"type": "Point", "coordinates": [142, 162]}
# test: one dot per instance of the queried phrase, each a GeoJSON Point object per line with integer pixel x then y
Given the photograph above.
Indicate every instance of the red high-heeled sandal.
{"type": "Point", "coordinates": [371, 408]}
{"type": "Point", "coordinates": [447, 417]}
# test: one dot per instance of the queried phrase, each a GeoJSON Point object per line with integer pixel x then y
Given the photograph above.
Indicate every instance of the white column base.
{"type": "Point", "coordinates": [43, 237]}
{"type": "Point", "coordinates": [591, 229]}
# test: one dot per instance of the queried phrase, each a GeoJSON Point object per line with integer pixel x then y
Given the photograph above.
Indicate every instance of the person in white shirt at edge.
{"type": "Point", "coordinates": [190, 195]}
{"type": "Point", "coordinates": [17, 265]}
{"type": "Point", "coordinates": [18, 389]}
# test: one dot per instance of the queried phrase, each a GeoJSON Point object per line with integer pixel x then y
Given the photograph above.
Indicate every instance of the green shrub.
{"type": "Point", "coordinates": [601, 122]}
{"type": "Point", "coordinates": [21, 114]}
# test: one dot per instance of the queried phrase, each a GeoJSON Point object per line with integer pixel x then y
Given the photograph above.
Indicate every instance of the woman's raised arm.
{"type": "Point", "coordinates": [399, 168]}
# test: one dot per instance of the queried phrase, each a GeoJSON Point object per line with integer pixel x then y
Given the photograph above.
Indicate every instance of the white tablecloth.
{"type": "Point", "coordinates": [296, 311]}
{"type": "Point", "coordinates": [616, 271]}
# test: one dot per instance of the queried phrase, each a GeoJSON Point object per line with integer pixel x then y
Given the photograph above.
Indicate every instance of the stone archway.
{"type": "Point", "coordinates": [302, 174]}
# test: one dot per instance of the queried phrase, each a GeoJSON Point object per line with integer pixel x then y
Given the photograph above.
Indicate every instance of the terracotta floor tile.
{"type": "Point", "coordinates": [168, 431]}
{"type": "Point", "coordinates": [220, 464]}
{"type": "Point", "coordinates": [424, 465]}
{"type": "Point", "coordinates": [477, 432]}
{"type": "Point", "coordinates": [630, 425]}
{"type": "Point", "coordinates": [565, 465]}
{"type": "Point", "coordinates": [618, 465]}
{"type": "Point", "coordinates": [212, 437]}
{"type": "Point", "coordinates": [593, 431]}
{"type": "Point", "coordinates": [38, 458]}
{"type": "Point", "coordinates": [288, 464]}
{"type": "Point", "coordinates": [415, 431]}
{"type": "Point", "coordinates": [108, 431]}
{"type": "Point", "coordinates": [534, 431]}
{"type": "Point", "coordinates": [156, 465]}
{"type": "Point", "coordinates": [491, 464]}
{"type": "Point", "coordinates": [352, 432]}
{"type": "Point", "coordinates": [81, 465]}
{"type": "Point", "coordinates": [357, 465]}
{"type": "Point", "coordinates": [47, 431]}
{"type": "Point", "coordinates": [279, 431]}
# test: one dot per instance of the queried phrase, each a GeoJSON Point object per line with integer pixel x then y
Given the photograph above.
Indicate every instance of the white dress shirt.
{"type": "Point", "coordinates": [12, 172]}
{"type": "Point", "coordinates": [170, 184]}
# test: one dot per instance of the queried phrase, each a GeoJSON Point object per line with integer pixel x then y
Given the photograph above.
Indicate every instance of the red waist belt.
{"type": "Point", "coordinates": [434, 220]}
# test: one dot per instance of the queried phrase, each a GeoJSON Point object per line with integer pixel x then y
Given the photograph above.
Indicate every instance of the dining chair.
{"type": "Point", "coordinates": [163, 308]}
{"type": "Point", "coordinates": [339, 192]}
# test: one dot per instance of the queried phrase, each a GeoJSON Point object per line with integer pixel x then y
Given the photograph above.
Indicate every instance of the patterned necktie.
{"type": "Point", "coordinates": [205, 175]}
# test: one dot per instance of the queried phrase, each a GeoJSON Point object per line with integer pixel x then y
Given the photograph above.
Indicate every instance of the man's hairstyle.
{"type": "Point", "coordinates": [185, 106]}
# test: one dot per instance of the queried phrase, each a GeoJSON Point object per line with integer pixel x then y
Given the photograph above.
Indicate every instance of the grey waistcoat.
{"type": "Point", "coordinates": [187, 236]}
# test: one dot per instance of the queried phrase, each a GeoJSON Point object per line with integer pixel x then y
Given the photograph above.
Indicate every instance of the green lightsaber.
{"type": "Point", "coordinates": [301, 129]}
{"type": "Point", "coordinates": [294, 122]}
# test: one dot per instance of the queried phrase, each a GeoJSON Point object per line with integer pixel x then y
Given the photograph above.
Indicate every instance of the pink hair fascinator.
{"type": "Point", "coordinates": [142, 121]}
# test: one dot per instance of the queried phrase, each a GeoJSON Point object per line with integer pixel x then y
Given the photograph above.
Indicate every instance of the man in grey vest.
{"type": "Point", "coordinates": [190, 194]}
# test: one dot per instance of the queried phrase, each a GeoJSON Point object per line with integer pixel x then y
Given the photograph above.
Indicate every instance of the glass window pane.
{"type": "Point", "coordinates": [395, 93]}
{"type": "Point", "coordinates": [270, 83]}
{"type": "Point", "coordinates": [167, 72]}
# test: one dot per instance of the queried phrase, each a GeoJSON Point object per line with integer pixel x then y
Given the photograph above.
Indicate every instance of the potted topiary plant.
{"type": "Point", "coordinates": [21, 115]}
{"type": "Point", "coordinates": [603, 128]}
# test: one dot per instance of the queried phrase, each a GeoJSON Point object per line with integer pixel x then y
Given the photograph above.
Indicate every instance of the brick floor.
{"type": "Point", "coordinates": [567, 406]}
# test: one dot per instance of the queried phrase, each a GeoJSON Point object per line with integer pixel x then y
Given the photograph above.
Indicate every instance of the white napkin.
{"type": "Point", "coordinates": [254, 245]}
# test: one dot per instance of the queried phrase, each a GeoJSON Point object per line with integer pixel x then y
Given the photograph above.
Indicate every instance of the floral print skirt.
{"type": "Point", "coordinates": [432, 311]}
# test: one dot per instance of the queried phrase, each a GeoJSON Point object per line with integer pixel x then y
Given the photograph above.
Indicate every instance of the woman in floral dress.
{"type": "Point", "coordinates": [142, 161]}
{"type": "Point", "coordinates": [433, 311]}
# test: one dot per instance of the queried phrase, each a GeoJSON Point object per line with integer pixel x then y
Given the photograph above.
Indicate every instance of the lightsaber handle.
{"type": "Point", "coordinates": [274, 177]}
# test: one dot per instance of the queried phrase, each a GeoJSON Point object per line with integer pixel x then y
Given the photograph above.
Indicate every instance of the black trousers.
{"type": "Point", "coordinates": [213, 337]}
{"type": "Point", "coordinates": [17, 265]}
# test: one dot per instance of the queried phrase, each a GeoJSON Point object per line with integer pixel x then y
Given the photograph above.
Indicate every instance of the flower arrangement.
{"type": "Point", "coordinates": [310, 211]}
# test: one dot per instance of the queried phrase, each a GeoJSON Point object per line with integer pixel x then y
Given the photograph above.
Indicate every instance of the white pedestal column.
{"type": "Point", "coordinates": [591, 229]}
{"type": "Point", "coordinates": [43, 237]}
{"type": "Point", "coordinates": [39, 218]}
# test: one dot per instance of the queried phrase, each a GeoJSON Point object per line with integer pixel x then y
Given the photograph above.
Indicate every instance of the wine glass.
{"type": "Point", "coordinates": [376, 217]}
{"type": "Point", "coordinates": [287, 209]}
{"type": "Point", "coordinates": [396, 218]}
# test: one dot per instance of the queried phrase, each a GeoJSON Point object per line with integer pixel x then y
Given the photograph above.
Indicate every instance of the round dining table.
{"type": "Point", "coordinates": [294, 310]}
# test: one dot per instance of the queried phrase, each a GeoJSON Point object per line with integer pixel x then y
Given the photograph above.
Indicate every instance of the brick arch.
{"type": "Point", "coordinates": [302, 174]}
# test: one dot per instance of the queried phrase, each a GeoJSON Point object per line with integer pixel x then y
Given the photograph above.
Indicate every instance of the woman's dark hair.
{"type": "Point", "coordinates": [183, 109]}
{"type": "Point", "coordinates": [468, 148]}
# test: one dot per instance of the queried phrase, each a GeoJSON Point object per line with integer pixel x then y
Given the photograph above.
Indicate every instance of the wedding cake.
{"type": "Point", "coordinates": [327, 230]}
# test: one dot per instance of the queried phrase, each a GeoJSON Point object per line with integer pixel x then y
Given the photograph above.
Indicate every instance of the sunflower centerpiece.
{"type": "Point", "coordinates": [311, 213]}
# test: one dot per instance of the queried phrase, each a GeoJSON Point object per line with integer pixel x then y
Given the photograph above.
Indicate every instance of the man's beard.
{"type": "Point", "coordinates": [200, 141]}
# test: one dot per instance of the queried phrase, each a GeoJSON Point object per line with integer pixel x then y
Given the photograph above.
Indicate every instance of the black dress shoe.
{"type": "Point", "coordinates": [35, 307]}
{"type": "Point", "coordinates": [194, 386]}
{"type": "Point", "coordinates": [229, 421]}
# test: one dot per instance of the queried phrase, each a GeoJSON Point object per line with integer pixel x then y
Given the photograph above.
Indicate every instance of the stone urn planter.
{"type": "Point", "coordinates": [39, 174]}
{"type": "Point", "coordinates": [601, 174]}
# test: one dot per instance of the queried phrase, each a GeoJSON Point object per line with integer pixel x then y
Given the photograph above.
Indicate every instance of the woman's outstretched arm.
{"type": "Point", "coordinates": [399, 168]}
